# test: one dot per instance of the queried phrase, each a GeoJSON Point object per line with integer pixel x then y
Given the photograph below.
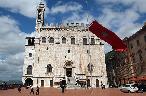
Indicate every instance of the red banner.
{"type": "Point", "coordinates": [108, 36]}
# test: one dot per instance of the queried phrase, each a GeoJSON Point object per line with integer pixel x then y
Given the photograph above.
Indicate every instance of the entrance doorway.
{"type": "Point", "coordinates": [69, 72]}
{"type": "Point", "coordinates": [28, 82]}
{"type": "Point", "coordinates": [51, 83]}
{"type": "Point", "coordinates": [97, 83]}
{"type": "Point", "coordinates": [42, 83]}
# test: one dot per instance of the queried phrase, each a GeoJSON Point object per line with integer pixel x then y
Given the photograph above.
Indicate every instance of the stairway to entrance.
{"type": "Point", "coordinates": [71, 83]}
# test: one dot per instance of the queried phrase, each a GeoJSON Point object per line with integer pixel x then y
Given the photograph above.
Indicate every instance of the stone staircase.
{"type": "Point", "coordinates": [71, 83]}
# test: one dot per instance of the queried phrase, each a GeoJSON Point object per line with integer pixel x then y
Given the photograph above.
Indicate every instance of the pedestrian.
{"type": "Point", "coordinates": [37, 91]}
{"type": "Point", "coordinates": [68, 80]}
{"type": "Point", "coordinates": [102, 86]}
{"type": "Point", "coordinates": [19, 89]}
{"type": "Point", "coordinates": [32, 90]}
{"type": "Point", "coordinates": [63, 85]}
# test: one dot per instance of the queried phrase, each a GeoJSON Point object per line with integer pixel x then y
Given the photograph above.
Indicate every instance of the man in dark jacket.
{"type": "Point", "coordinates": [63, 85]}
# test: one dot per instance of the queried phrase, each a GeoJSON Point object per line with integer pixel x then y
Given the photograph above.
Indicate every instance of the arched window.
{"type": "Point", "coordinates": [49, 68]}
{"type": "Point", "coordinates": [92, 41]}
{"type": "Point", "coordinates": [90, 67]}
{"type": "Point", "coordinates": [30, 54]}
{"type": "Point", "coordinates": [72, 40]}
{"type": "Point", "coordinates": [64, 40]}
{"type": "Point", "coordinates": [29, 70]}
{"type": "Point", "coordinates": [51, 40]}
{"type": "Point", "coordinates": [84, 41]}
{"type": "Point", "coordinates": [43, 40]}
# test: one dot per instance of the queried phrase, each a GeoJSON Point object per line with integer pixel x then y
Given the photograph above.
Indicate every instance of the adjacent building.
{"type": "Point", "coordinates": [128, 66]}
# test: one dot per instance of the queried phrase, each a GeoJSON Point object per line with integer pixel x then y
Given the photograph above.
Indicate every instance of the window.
{"type": "Point", "coordinates": [145, 38]}
{"type": "Point", "coordinates": [87, 51]}
{"type": "Point", "coordinates": [43, 40]}
{"type": "Point", "coordinates": [140, 54]}
{"type": "Point", "coordinates": [30, 54]}
{"type": "Point", "coordinates": [72, 40]}
{"type": "Point", "coordinates": [29, 70]}
{"type": "Point", "coordinates": [131, 46]}
{"type": "Point", "coordinates": [137, 42]}
{"type": "Point", "coordinates": [133, 57]}
{"type": "Point", "coordinates": [84, 41]}
{"type": "Point", "coordinates": [68, 51]}
{"type": "Point", "coordinates": [51, 40]}
{"type": "Point", "coordinates": [90, 67]}
{"type": "Point", "coordinates": [64, 40]}
{"type": "Point", "coordinates": [92, 41]}
{"type": "Point", "coordinates": [49, 68]}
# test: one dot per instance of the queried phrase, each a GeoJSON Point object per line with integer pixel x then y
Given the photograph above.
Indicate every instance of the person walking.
{"type": "Point", "coordinates": [102, 86]}
{"type": "Point", "coordinates": [32, 90]}
{"type": "Point", "coordinates": [37, 91]}
{"type": "Point", "coordinates": [63, 85]}
{"type": "Point", "coordinates": [19, 89]}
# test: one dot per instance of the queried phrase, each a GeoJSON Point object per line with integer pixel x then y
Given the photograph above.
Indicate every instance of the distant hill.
{"type": "Point", "coordinates": [14, 82]}
{"type": "Point", "coordinates": [11, 82]}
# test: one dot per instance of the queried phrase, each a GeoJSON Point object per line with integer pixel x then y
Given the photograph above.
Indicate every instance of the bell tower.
{"type": "Point", "coordinates": [40, 15]}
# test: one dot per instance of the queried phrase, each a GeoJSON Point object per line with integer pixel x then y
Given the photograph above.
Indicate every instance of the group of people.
{"type": "Point", "coordinates": [37, 90]}
{"type": "Point", "coordinates": [31, 91]}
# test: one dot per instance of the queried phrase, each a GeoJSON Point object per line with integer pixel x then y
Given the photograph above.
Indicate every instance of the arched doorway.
{"type": "Point", "coordinates": [69, 72]}
{"type": "Point", "coordinates": [68, 68]}
{"type": "Point", "coordinates": [28, 82]}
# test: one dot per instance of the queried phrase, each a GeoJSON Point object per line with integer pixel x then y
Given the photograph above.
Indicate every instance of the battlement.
{"type": "Point", "coordinates": [66, 26]}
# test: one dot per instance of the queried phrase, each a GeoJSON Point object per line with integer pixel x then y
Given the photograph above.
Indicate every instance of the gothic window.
{"type": "Point", "coordinates": [87, 51]}
{"type": "Point", "coordinates": [51, 40]}
{"type": "Point", "coordinates": [68, 51]}
{"type": "Point", "coordinates": [131, 46]}
{"type": "Point", "coordinates": [133, 57]}
{"type": "Point", "coordinates": [140, 54]}
{"type": "Point", "coordinates": [90, 67]}
{"type": "Point", "coordinates": [72, 40]}
{"type": "Point", "coordinates": [137, 42]}
{"type": "Point", "coordinates": [30, 54]}
{"type": "Point", "coordinates": [92, 41]}
{"type": "Point", "coordinates": [84, 41]}
{"type": "Point", "coordinates": [49, 68]}
{"type": "Point", "coordinates": [64, 40]}
{"type": "Point", "coordinates": [29, 70]}
{"type": "Point", "coordinates": [29, 41]}
{"type": "Point", "coordinates": [43, 40]}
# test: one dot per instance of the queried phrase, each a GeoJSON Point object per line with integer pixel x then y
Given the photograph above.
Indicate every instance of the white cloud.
{"type": "Point", "coordinates": [137, 5]}
{"type": "Point", "coordinates": [123, 23]}
{"type": "Point", "coordinates": [24, 7]}
{"type": "Point", "coordinates": [12, 41]}
{"type": "Point", "coordinates": [67, 7]}
{"type": "Point", "coordinates": [80, 18]}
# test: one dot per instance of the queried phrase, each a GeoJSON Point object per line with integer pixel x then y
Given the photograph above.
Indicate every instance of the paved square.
{"type": "Point", "coordinates": [70, 92]}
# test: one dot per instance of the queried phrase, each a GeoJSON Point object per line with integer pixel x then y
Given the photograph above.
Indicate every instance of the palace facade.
{"type": "Point", "coordinates": [67, 51]}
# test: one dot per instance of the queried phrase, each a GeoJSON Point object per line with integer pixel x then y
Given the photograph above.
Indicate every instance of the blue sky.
{"type": "Point", "coordinates": [17, 20]}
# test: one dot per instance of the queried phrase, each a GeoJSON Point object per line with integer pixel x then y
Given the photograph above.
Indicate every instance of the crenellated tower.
{"type": "Point", "coordinates": [40, 15]}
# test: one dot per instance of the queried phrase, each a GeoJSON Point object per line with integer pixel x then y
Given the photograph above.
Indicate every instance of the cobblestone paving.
{"type": "Point", "coordinates": [70, 92]}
